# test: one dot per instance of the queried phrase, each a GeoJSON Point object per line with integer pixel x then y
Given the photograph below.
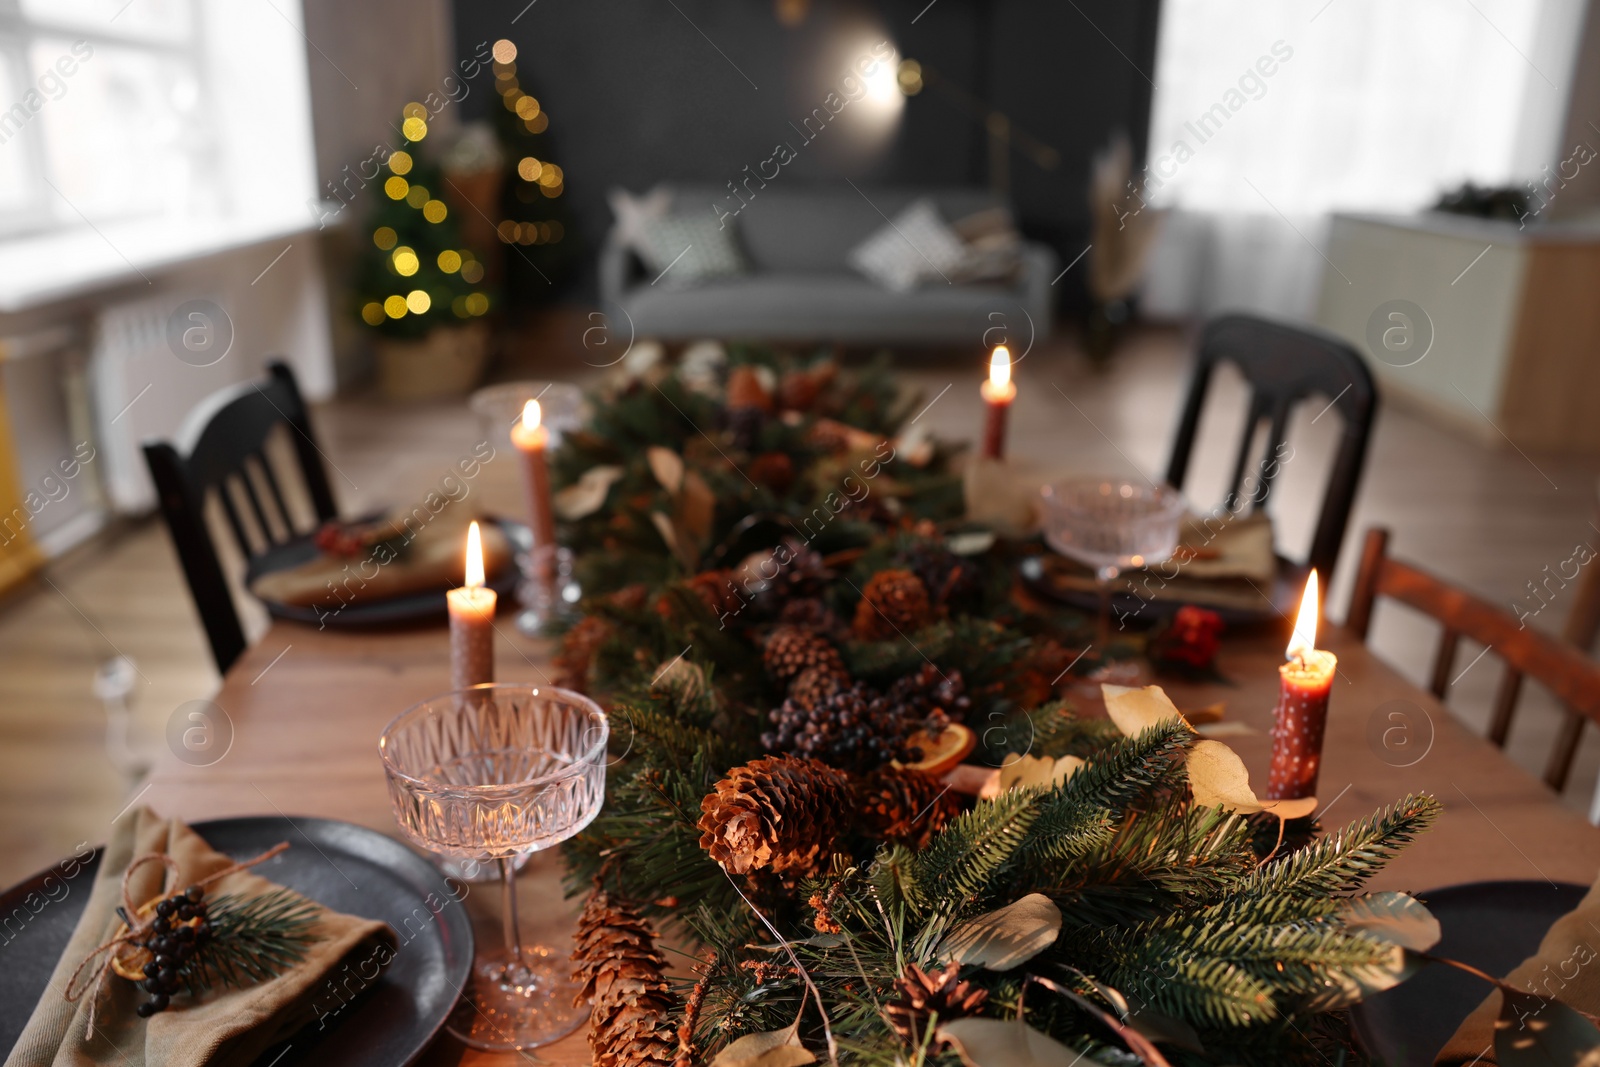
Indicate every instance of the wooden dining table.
{"type": "Point", "coordinates": [306, 707]}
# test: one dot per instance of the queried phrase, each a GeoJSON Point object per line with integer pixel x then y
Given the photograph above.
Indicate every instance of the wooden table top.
{"type": "Point", "coordinates": [307, 707]}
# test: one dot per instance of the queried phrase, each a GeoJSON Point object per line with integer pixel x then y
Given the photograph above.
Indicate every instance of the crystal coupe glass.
{"type": "Point", "coordinates": [1110, 525]}
{"type": "Point", "coordinates": [491, 773]}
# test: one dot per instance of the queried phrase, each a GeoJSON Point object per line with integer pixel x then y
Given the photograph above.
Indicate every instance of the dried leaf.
{"type": "Point", "coordinates": [1136, 710]}
{"type": "Point", "coordinates": [1398, 918]}
{"type": "Point", "coordinates": [915, 446]}
{"type": "Point", "coordinates": [773, 1048]}
{"type": "Point", "coordinates": [1158, 1026]}
{"type": "Point", "coordinates": [1005, 1043]}
{"type": "Point", "coordinates": [1218, 778]}
{"type": "Point", "coordinates": [663, 527]}
{"type": "Point", "coordinates": [696, 508]}
{"type": "Point", "coordinates": [1001, 939]}
{"type": "Point", "coordinates": [1036, 772]}
{"type": "Point", "coordinates": [1535, 1031]}
{"type": "Point", "coordinates": [1353, 984]}
{"type": "Point", "coordinates": [667, 466]}
{"type": "Point", "coordinates": [586, 496]}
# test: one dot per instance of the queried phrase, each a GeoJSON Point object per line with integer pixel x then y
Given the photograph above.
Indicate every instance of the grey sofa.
{"type": "Point", "coordinates": [801, 287]}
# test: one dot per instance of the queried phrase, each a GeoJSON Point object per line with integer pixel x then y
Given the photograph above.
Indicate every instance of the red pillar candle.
{"type": "Point", "coordinates": [1302, 713]}
{"type": "Point", "coordinates": [998, 393]}
{"type": "Point", "coordinates": [533, 440]}
{"type": "Point", "coordinates": [472, 621]}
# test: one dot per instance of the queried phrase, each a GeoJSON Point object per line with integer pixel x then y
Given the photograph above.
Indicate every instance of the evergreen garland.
{"type": "Point", "coordinates": [1171, 922]}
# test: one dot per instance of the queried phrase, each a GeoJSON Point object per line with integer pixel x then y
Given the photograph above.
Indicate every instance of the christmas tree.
{"type": "Point", "coordinates": [534, 221]}
{"type": "Point", "coordinates": [418, 275]}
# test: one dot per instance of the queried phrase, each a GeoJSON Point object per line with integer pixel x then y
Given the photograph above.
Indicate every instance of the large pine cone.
{"type": "Point", "coordinates": [624, 977]}
{"type": "Point", "coordinates": [814, 685]}
{"type": "Point", "coordinates": [907, 807]}
{"type": "Point", "coordinates": [895, 602]}
{"type": "Point", "coordinates": [921, 994]}
{"type": "Point", "coordinates": [778, 813]}
{"type": "Point", "coordinates": [791, 649]}
{"type": "Point", "coordinates": [716, 589]}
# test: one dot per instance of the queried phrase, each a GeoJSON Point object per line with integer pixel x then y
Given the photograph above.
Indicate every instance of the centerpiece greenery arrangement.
{"type": "Point", "coordinates": [844, 777]}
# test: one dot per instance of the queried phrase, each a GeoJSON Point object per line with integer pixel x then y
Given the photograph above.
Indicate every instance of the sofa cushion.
{"type": "Point", "coordinates": [686, 250]}
{"type": "Point", "coordinates": [915, 246]}
{"type": "Point", "coordinates": [794, 227]}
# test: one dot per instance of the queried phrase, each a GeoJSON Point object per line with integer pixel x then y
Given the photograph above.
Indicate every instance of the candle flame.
{"type": "Point", "coordinates": [1304, 638]}
{"type": "Point", "coordinates": [474, 557]}
{"type": "Point", "coordinates": [531, 415]}
{"type": "Point", "coordinates": [1000, 369]}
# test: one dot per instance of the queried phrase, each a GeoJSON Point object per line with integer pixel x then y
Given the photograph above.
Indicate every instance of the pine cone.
{"type": "Point", "coordinates": [951, 579]}
{"type": "Point", "coordinates": [578, 650]}
{"type": "Point", "coordinates": [814, 685]}
{"type": "Point", "coordinates": [906, 807]}
{"type": "Point", "coordinates": [791, 650]}
{"type": "Point", "coordinates": [809, 613]}
{"type": "Point", "coordinates": [855, 729]}
{"type": "Point", "coordinates": [623, 976]}
{"type": "Point", "coordinates": [716, 589]}
{"type": "Point", "coordinates": [775, 470]}
{"type": "Point", "coordinates": [894, 603]}
{"type": "Point", "coordinates": [777, 812]}
{"type": "Point", "coordinates": [922, 994]}
{"type": "Point", "coordinates": [931, 698]}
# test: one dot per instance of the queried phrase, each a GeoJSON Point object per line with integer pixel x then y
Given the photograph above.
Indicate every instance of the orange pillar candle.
{"type": "Point", "coordinates": [1302, 713]}
{"type": "Point", "coordinates": [472, 621]}
{"type": "Point", "coordinates": [533, 441]}
{"type": "Point", "coordinates": [998, 392]}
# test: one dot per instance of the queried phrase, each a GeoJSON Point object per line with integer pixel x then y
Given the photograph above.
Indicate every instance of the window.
{"type": "Point", "coordinates": [117, 111]}
{"type": "Point", "coordinates": [102, 116]}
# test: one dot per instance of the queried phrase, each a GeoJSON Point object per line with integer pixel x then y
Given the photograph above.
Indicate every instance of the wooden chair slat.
{"type": "Point", "coordinates": [1505, 706]}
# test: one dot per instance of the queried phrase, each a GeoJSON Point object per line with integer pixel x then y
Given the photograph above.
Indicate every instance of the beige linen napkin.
{"type": "Point", "coordinates": [230, 1026]}
{"type": "Point", "coordinates": [1575, 937]}
{"type": "Point", "coordinates": [433, 558]}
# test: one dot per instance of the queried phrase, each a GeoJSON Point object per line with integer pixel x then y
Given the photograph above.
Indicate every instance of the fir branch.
{"type": "Point", "coordinates": [253, 938]}
{"type": "Point", "coordinates": [1342, 862]}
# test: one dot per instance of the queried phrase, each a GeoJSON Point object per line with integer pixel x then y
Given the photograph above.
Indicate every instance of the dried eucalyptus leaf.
{"type": "Point", "coordinates": [1136, 710]}
{"type": "Point", "coordinates": [1001, 939]}
{"type": "Point", "coordinates": [773, 1048]}
{"type": "Point", "coordinates": [1535, 1031]}
{"type": "Point", "coordinates": [1398, 918]}
{"type": "Point", "coordinates": [588, 494]}
{"type": "Point", "coordinates": [1005, 1043]}
{"type": "Point", "coordinates": [663, 527]}
{"type": "Point", "coordinates": [667, 466]}
{"type": "Point", "coordinates": [1355, 983]}
{"type": "Point", "coordinates": [1217, 777]}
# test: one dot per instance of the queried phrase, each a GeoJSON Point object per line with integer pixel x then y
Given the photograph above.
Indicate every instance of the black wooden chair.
{"type": "Point", "coordinates": [222, 450]}
{"type": "Point", "coordinates": [1284, 366]}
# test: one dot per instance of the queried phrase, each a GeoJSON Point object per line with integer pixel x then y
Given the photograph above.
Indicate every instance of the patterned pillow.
{"type": "Point", "coordinates": [918, 246]}
{"type": "Point", "coordinates": [684, 250]}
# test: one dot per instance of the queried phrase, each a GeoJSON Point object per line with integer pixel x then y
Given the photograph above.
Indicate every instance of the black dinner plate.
{"type": "Point", "coordinates": [1278, 601]}
{"type": "Point", "coordinates": [340, 865]}
{"type": "Point", "coordinates": [1492, 925]}
{"type": "Point", "coordinates": [411, 609]}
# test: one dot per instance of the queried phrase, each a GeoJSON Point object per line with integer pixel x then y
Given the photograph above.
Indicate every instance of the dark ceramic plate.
{"type": "Point", "coordinates": [1492, 925]}
{"type": "Point", "coordinates": [345, 867]}
{"type": "Point", "coordinates": [395, 611]}
{"type": "Point", "coordinates": [1040, 573]}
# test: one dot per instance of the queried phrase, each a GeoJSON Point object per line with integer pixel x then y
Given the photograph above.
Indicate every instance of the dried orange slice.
{"type": "Point", "coordinates": [942, 752]}
{"type": "Point", "coordinates": [128, 960]}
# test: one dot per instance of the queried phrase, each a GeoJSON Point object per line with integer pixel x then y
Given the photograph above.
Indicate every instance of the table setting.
{"type": "Point", "coordinates": [809, 762]}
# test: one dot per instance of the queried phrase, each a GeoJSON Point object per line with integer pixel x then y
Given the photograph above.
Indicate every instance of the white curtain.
{"type": "Point", "coordinates": [1269, 114]}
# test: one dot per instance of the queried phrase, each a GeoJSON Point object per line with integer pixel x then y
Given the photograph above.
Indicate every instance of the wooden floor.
{"type": "Point", "coordinates": [1489, 519]}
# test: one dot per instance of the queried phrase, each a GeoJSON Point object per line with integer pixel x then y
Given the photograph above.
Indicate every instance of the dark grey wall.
{"type": "Point", "coordinates": [641, 91]}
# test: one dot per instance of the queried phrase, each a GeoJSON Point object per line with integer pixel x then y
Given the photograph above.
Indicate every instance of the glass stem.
{"type": "Point", "coordinates": [508, 913]}
{"type": "Point", "coordinates": [1104, 576]}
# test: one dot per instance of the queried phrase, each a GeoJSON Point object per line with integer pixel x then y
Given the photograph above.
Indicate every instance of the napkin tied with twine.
{"type": "Point", "coordinates": [218, 1026]}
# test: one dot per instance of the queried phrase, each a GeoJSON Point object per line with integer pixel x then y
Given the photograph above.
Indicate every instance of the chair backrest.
{"type": "Point", "coordinates": [1583, 621]}
{"type": "Point", "coordinates": [1284, 366]}
{"type": "Point", "coordinates": [1573, 677]}
{"type": "Point", "coordinates": [223, 451]}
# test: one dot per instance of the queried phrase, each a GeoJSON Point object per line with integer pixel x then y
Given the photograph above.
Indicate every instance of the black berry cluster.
{"type": "Point", "coordinates": [856, 728]}
{"type": "Point", "coordinates": [180, 930]}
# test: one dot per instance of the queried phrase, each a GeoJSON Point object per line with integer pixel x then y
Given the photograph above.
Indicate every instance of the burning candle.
{"type": "Point", "coordinates": [472, 621]}
{"type": "Point", "coordinates": [998, 392]}
{"type": "Point", "coordinates": [533, 440]}
{"type": "Point", "coordinates": [1302, 712]}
